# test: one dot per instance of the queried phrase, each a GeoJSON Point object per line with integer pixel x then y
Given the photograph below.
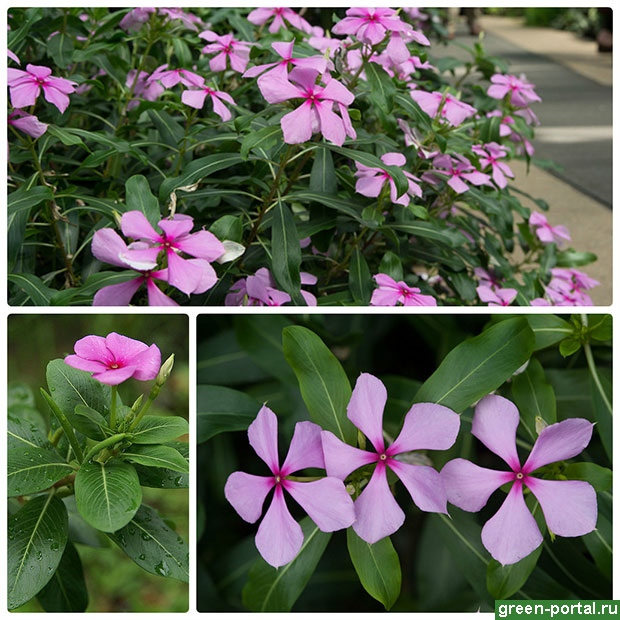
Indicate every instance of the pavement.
{"type": "Point", "coordinates": [575, 84]}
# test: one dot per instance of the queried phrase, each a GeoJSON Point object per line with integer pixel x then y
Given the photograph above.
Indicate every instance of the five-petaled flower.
{"type": "Point", "coordinates": [452, 110]}
{"type": "Point", "coordinates": [391, 293]}
{"type": "Point", "coordinates": [427, 426]}
{"type": "Point", "coordinates": [25, 87]}
{"type": "Point", "coordinates": [547, 233]}
{"type": "Point", "coordinates": [281, 15]}
{"type": "Point", "coordinates": [569, 506]}
{"type": "Point", "coordinates": [226, 47]}
{"type": "Point", "coordinates": [115, 358]}
{"type": "Point", "coordinates": [326, 501]}
{"type": "Point", "coordinates": [521, 92]}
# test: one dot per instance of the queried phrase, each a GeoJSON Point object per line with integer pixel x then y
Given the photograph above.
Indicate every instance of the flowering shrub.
{"type": "Point", "coordinates": [457, 466]}
{"type": "Point", "coordinates": [79, 478]}
{"type": "Point", "coordinates": [295, 144]}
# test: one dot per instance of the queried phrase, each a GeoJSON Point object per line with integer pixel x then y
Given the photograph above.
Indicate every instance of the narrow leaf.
{"type": "Point", "coordinates": [286, 252]}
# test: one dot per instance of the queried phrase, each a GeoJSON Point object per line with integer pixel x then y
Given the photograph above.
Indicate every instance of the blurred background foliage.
{"type": "Point", "coordinates": [115, 583]}
{"type": "Point", "coordinates": [245, 353]}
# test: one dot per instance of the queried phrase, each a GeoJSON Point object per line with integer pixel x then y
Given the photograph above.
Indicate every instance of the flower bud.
{"type": "Point", "coordinates": [540, 425]}
{"type": "Point", "coordinates": [164, 371]}
{"type": "Point", "coordinates": [137, 404]}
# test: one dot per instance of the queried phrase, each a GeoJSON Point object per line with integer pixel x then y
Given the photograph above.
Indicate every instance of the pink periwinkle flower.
{"type": "Point", "coordinates": [569, 506]}
{"type": "Point", "coordinates": [175, 238]}
{"type": "Point", "coordinates": [190, 20]}
{"type": "Point", "coordinates": [488, 277]}
{"type": "Point", "coordinates": [260, 290]}
{"type": "Point", "coordinates": [226, 47]}
{"type": "Point", "coordinates": [547, 233]}
{"type": "Point", "coordinates": [371, 180]}
{"type": "Point", "coordinates": [505, 123]}
{"type": "Point", "coordinates": [136, 18]}
{"type": "Point", "coordinates": [427, 426]}
{"type": "Point", "coordinates": [142, 87]}
{"type": "Point", "coordinates": [391, 293]}
{"type": "Point", "coordinates": [577, 278]}
{"type": "Point", "coordinates": [452, 110]}
{"type": "Point", "coordinates": [563, 292]}
{"type": "Point", "coordinates": [285, 51]}
{"type": "Point", "coordinates": [27, 123]}
{"type": "Point", "coordinates": [319, 41]}
{"type": "Point", "coordinates": [326, 501]}
{"type": "Point", "coordinates": [171, 77]}
{"type": "Point", "coordinates": [281, 15]}
{"type": "Point", "coordinates": [316, 112]}
{"type": "Point", "coordinates": [521, 92]}
{"type": "Point", "coordinates": [458, 169]}
{"type": "Point", "coordinates": [115, 358]}
{"type": "Point", "coordinates": [25, 87]}
{"type": "Point", "coordinates": [414, 138]}
{"type": "Point", "coordinates": [489, 155]}
{"type": "Point", "coordinates": [195, 98]}
{"type": "Point", "coordinates": [496, 296]}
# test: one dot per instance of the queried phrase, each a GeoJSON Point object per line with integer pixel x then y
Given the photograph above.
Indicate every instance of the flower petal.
{"type": "Point", "coordinates": [183, 274]}
{"type": "Point", "coordinates": [569, 506]}
{"type": "Point", "coordinates": [148, 363]}
{"type": "Point", "coordinates": [424, 485]}
{"type": "Point", "coordinates": [177, 227]}
{"type": "Point", "coordinates": [341, 458]}
{"type": "Point", "coordinates": [427, 426]}
{"type": "Point", "coordinates": [117, 294]}
{"type": "Point", "coordinates": [263, 436]}
{"type": "Point", "coordinates": [495, 425]}
{"type": "Point", "coordinates": [297, 125]}
{"type": "Point", "coordinates": [107, 246]}
{"type": "Point", "coordinates": [279, 537]}
{"type": "Point", "coordinates": [365, 409]}
{"type": "Point", "coordinates": [469, 486]}
{"type": "Point", "coordinates": [75, 361]}
{"type": "Point", "coordinates": [92, 348]}
{"type": "Point", "coordinates": [326, 501]}
{"type": "Point", "coordinates": [156, 297]}
{"type": "Point", "coordinates": [123, 349]}
{"type": "Point", "coordinates": [378, 514]}
{"type": "Point", "coordinates": [332, 126]}
{"type": "Point", "coordinates": [247, 494]}
{"type": "Point", "coordinates": [202, 244]}
{"type": "Point", "coordinates": [116, 376]}
{"type": "Point", "coordinates": [511, 534]}
{"type": "Point", "coordinates": [558, 442]}
{"type": "Point", "coordinates": [305, 449]}
{"type": "Point", "coordinates": [135, 225]}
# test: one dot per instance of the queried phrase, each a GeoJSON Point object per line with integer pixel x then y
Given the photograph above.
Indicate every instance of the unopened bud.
{"type": "Point", "coordinates": [137, 404]}
{"type": "Point", "coordinates": [117, 218]}
{"type": "Point", "coordinates": [164, 371]}
{"type": "Point", "coordinates": [540, 425]}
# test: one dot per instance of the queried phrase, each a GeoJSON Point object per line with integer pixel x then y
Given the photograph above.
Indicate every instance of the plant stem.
{"type": "Point", "coordinates": [597, 381]}
{"type": "Point", "coordinates": [152, 396]}
{"type": "Point", "coordinates": [110, 441]}
{"type": "Point", "coordinates": [113, 407]}
{"type": "Point", "coordinates": [60, 416]}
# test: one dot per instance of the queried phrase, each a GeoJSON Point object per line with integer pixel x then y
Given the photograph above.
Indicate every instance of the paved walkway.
{"type": "Point", "coordinates": [574, 82]}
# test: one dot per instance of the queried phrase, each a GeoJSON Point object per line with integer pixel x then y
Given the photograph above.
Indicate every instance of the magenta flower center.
{"type": "Point", "coordinates": [519, 476]}
{"type": "Point", "coordinates": [405, 292]}
{"type": "Point", "coordinates": [278, 11]}
{"type": "Point", "coordinates": [383, 457]}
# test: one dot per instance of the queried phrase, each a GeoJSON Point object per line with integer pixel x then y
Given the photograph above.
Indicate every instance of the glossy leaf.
{"type": "Point", "coordinates": [323, 383]}
{"type": "Point", "coordinates": [153, 546]}
{"type": "Point", "coordinates": [107, 496]}
{"type": "Point", "coordinates": [323, 175]}
{"type": "Point", "coordinates": [548, 329]}
{"type": "Point", "coordinates": [156, 456]}
{"type": "Point", "coordinates": [599, 477]}
{"type": "Point", "coordinates": [90, 423]}
{"type": "Point", "coordinates": [360, 281]}
{"type": "Point", "coordinates": [162, 477]}
{"type": "Point", "coordinates": [22, 433]}
{"type": "Point", "coordinates": [377, 567]}
{"type": "Point", "coordinates": [504, 581]}
{"type": "Point", "coordinates": [346, 207]}
{"type": "Point", "coordinates": [37, 535]}
{"type": "Point", "coordinates": [602, 414]}
{"type": "Point", "coordinates": [382, 89]}
{"type": "Point", "coordinates": [286, 252]}
{"type": "Point", "coordinates": [157, 429]}
{"type": "Point", "coordinates": [32, 469]}
{"type": "Point", "coordinates": [140, 198]}
{"type": "Point", "coordinates": [264, 138]}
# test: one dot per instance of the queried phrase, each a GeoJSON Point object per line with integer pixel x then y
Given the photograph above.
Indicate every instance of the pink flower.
{"type": "Point", "coordinates": [505, 123]}
{"type": "Point", "coordinates": [262, 15]}
{"type": "Point", "coordinates": [426, 427]}
{"type": "Point", "coordinates": [521, 92]}
{"type": "Point", "coordinates": [458, 169]}
{"type": "Point", "coordinates": [190, 20]}
{"type": "Point", "coordinates": [285, 51]}
{"type": "Point", "coordinates": [489, 155]}
{"type": "Point", "coordinates": [226, 47]}
{"type": "Point", "coordinates": [142, 87]}
{"type": "Point", "coordinates": [391, 293]}
{"type": "Point", "coordinates": [371, 25]}
{"type": "Point", "coordinates": [488, 277]}
{"type": "Point", "coordinates": [452, 110]}
{"type": "Point", "coordinates": [171, 77]}
{"type": "Point", "coordinates": [316, 112]}
{"type": "Point", "coordinates": [569, 506]}
{"type": "Point", "coordinates": [136, 18]}
{"type": "Point", "coordinates": [578, 279]}
{"type": "Point", "coordinates": [414, 138]}
{"type": "Point", "coordinates": [326, 501]}
{"type": "Point", "coordinates": [115, 358]}
{"type": "Point", "coordinates": [496, 296]}
{"type": "Point", "coordinates": [27, 123]}
{"type": "Point", "coordinates": [319, 41]}
{"type": "Point", "coordinates": [371, 180]}
{"type": "Point", "coordinates": [260, 290]}
{"type": "Point", "coordinates": [197, 95]}
{"type": "Point", "coordinates": [187, 276]}
{"type": "Point", "coordinates": [565, 293]}
{"type": "Point", "coordinates": [547, 233]}
{"type": "Point", "coordinates": [25, 87]}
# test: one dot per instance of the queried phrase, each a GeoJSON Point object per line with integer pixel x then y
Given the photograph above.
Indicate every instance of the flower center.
{"type": "Point", "coordinates": [519, 476]}
{"type": "Point", "coordinates": [278, 479]}
{"type": "Point", "coordinates": [114, 366]}
{"type": "Point", "coordinates": [383, 457]}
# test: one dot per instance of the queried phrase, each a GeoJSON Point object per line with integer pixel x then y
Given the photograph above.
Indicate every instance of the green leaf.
{"type": "Point", "coordinates": [323, 382]}
{"type": "Point", "coordinates": [20, 393]}
{"type": "Point", "coordinates": [534, 397]}
{"type": "Point", "coordinates": [479, 365]}
{"type": "Point", "coordinates": [198, 170]}
{"type": "Point", "coordinates": [39, 293]}
{"type": "Point", "coordinates": [157, 456]}
{"type": "Point", "coordinates": [570, 258]}
{"type": "Point", "coordinates": [323, 175]}
{"type": "Point", "coordinates": [600, 327]}
{"type": "Point", "coordinates": [377, 567]}
{"type": "Point", "coordinates": [139, 198]}
{"type": "Point", "coordinates": [170, 131]}
{"type": "Point", "coordinates": [70, 387]}
{"type": "Point", "coordinates": [568, 346]}
{"type": "Point", "coordinates": [598, 544]}
{"type": "Point", "coordinates": [599, 477]}
{"type": "Point", "coordinates": [162, 477]}
{"type": "Point", "coordinates": [22, 433]}
{"type": "Point", "coordinates": [548, 329]}
{"type": "Point", "coordinates": [111, 141]}
{"type": "Point", "coordinates": [60, 48]}
{"type": "Point", "coordinates": [360, 281]}
{"type": "Point", "coordinates": [382, 89]}
{"type": "Point", "coordinates": [66, 590]}
{"type": "Point", "coordinates": [90, 423]}
{"type": "Point", "coordinates": [286, 252]}
{"type": "Point", "coordinates": [65, 137]}
{"type": "Point", "coordinates": [504, 581]}
{"type": "Point", "coordinates": [221, 409]}
{"type": "Point", "coordinates": [157, 429]}
{"type": "Point", "coordinates": [426, 230]}
{"type": "Point", "coordinates": [391, 265]}
{"type": "Point", "coordinates": [107, 496]}
{"type": "Point", "coordinates": [153, 546]}
{"type": "Point", "coordinates": [37, 537]}
{"type": "Point", "coordinates": [602, 414]}
{"type": "Point", "coordinates": [32, 469]}
{"type": "Point", "coordinates": [264, 138]}
{"type": "Point", "coordinates": [277, 589]}
{"type": "Point", "coordinates": [346, 207]}
{"type": "Point", "coordinates": [228, 227]}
